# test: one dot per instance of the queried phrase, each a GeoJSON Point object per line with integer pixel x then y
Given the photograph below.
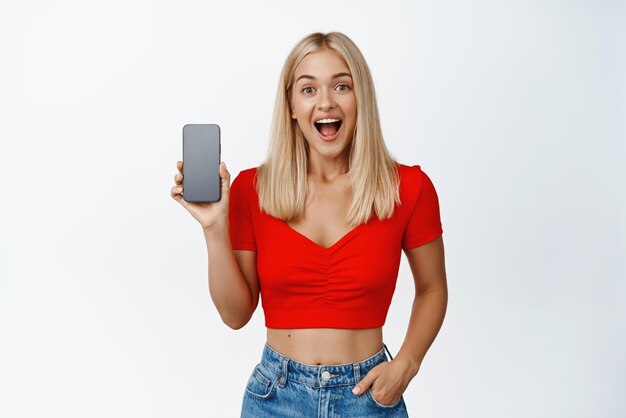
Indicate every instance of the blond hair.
{"type": "Point", "coordinates": [281, 180]}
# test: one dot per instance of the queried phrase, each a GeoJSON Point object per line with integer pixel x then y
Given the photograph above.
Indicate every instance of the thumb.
{"type": "Point", "coordinates": [365, 383]}
{"type": "Point", "coordinates": [225, 175]}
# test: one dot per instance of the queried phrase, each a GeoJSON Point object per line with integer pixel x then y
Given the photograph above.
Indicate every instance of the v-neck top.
{"type": "Point", "coordinates": [347, 285]}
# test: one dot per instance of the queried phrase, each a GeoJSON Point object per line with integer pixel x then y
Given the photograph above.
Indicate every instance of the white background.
{"type": "Point", "coordinates": [515, 109]}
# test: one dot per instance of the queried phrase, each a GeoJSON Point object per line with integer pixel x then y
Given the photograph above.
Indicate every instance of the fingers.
{"type": "Point", "coordinates": [366, 382]}
{"type": "Point", "coordinates": [177, 193]}
{"type": "Point", "coordinates": [178, 178]}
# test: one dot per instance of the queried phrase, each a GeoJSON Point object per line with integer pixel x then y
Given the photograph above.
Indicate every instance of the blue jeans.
{"type": "Point", "coordinates": [282, 387]}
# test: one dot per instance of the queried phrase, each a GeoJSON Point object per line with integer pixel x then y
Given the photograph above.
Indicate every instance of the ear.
{"type": "Point", "coordinates": [293, 114]}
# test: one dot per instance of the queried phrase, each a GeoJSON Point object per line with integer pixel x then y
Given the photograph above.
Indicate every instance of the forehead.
{"type": "Point", "coordinates": [321, 64]}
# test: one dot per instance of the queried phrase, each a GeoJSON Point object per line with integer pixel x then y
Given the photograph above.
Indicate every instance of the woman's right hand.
{"type": "Point", "coordinates": [210, 213]}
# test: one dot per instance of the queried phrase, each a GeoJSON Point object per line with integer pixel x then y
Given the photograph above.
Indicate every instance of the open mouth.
{"type": "Point", "coordinates": [328, 127]}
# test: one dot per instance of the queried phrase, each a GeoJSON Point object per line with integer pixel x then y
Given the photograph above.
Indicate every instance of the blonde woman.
{"type": "Point", "coordinates": [317, 231]}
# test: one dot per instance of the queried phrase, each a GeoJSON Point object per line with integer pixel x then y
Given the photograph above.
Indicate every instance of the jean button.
{"type": "Point", "coordinates": [325, 375]}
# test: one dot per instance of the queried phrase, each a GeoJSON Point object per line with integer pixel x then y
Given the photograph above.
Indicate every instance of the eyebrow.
{"type": "Point", "coordinates": [313, 78]}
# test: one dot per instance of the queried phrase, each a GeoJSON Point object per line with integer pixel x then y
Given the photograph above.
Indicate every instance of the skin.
{"type": "Point", "coordinates": [316, 94]}
{"type": "Point", "coordinates": [323, 222]}
{"type": "Point", "coordinates": [320, 94]}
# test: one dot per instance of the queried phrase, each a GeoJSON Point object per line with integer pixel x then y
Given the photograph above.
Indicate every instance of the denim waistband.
{"type": "Point", "coordinates": [319, 375]}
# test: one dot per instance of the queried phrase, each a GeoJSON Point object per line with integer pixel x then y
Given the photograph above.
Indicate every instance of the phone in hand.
{"type": "Point", "coordinates": [201, 160]}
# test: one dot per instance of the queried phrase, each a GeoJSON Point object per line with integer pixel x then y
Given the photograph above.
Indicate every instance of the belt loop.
{"type": "Point", "coordinates": [283, 379]}
{"type": "Point", "coordinates": [357, 372]}
{"type": "Point", "coordinates": [385, 345]}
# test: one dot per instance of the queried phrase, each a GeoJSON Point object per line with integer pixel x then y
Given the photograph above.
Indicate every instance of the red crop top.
{"type": "Point", "coordinates": [347, 285]}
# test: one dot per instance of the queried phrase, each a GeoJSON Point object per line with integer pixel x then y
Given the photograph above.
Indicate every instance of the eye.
{"type": "Point", "coordinates": [307, 90]}
{"type": "Point", "coordinates": [347, 87]}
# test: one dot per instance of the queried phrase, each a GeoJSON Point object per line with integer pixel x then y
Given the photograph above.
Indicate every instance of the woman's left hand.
{"type": "Point", "coordinates": [388, 381]}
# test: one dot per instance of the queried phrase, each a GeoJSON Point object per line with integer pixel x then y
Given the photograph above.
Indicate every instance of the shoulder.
{"type": "Point", "coordinates": [415, 183]}
{"type": "Point", "coordinates": [411, 177]}
{"type": "Point", "coordinates": [248, 172]}
{"type": "Point", "coordinates": [243, 183]}
{"type": "Point", "coordinates": [245, 176]}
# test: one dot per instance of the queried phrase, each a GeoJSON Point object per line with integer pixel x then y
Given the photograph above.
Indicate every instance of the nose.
{"type": "Point", "coordinates": [326, 100]}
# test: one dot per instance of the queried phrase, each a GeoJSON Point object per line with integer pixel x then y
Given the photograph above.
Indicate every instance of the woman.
{"type": "Point", "coordinates": [327, 215]}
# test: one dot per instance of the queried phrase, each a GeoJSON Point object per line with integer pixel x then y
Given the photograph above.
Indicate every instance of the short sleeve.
{"type": "Point", "coordinates": [239, 214]}
{"type": "Point", "coordinates": [424, 224]}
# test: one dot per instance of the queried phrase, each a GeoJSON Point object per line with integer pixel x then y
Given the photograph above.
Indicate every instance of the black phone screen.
{"type": "Point", "coordinates": [201, 159]}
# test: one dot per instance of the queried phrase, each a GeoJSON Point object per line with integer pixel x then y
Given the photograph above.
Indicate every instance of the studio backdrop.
{"type": "Point", "coordinates": [515, 109]}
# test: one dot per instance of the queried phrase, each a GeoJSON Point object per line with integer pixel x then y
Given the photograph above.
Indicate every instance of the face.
{"type": "Point", "coordinates": [323, 102]}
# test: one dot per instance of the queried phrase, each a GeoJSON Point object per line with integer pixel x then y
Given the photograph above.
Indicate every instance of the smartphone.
{"type": "Point", "coordinates": [201, 160]}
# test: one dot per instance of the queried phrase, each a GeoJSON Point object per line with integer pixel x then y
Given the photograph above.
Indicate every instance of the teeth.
{"type": "Point", "coordinates": [328, 120]}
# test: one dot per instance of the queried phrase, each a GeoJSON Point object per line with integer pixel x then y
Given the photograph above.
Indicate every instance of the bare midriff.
{"type": "Point", "coordinates": [326, 346]}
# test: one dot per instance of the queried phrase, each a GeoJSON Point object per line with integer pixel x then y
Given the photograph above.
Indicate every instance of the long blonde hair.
{"type": "Point", "coordinates": [281, 181]}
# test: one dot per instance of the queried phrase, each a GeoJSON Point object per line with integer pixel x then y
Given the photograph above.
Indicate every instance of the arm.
{"type": "Point", "coordinates": [427, 264]}
{"type": "Point", "coordinates": [426, 259]}
{"type": "Point", "coordinates": [429, 307]}
{"type": "Point", "coordinates": [233, 280]}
